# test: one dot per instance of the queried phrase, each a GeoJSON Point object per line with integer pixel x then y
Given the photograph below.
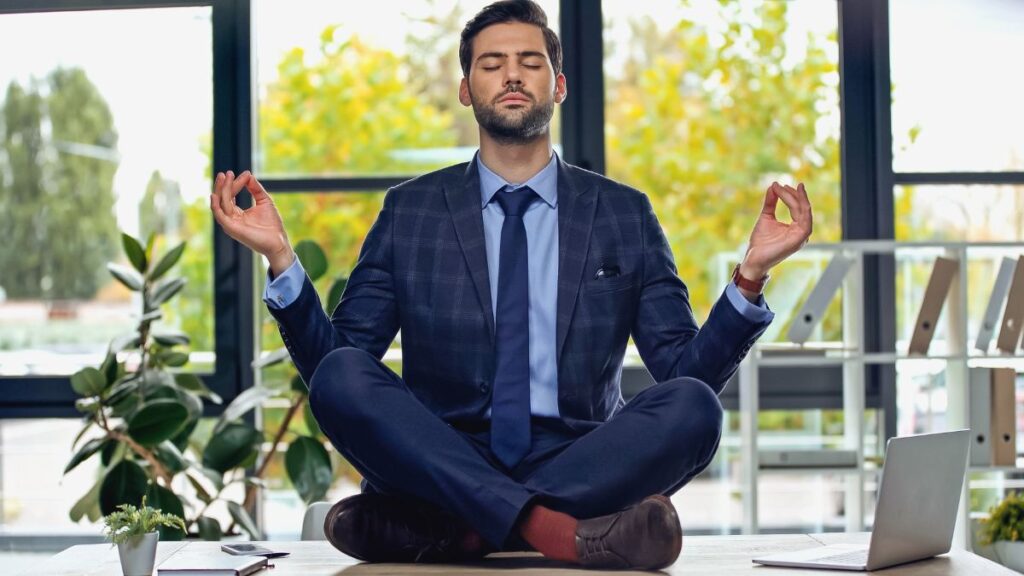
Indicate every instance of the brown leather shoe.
{"type": "Point", "coordinates": [646, 536]}
{"type": "Point", "coordinates": [376, 527]}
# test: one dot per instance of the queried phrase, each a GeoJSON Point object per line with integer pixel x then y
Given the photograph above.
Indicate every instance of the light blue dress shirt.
{"type": "Point", "coordinates": [541, 221]}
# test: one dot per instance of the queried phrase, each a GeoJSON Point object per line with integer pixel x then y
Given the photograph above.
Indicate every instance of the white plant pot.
{"type": "Point", "coordinates": [1010, 554]}
{"type": "Point", "coordinates": [138, 555]}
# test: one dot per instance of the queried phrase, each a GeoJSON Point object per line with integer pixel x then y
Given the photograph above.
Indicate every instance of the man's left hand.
{"type": "Point", "coordinates": [772, 241]}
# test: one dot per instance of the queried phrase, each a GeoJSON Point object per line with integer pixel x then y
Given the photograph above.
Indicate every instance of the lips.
{"type": "Point", "coordinates": [511, 98]}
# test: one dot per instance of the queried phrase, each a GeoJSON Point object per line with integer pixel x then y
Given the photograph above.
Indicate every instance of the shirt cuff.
{"type": "Point", "coordinates": [285, 289]}
{"type": "Point", "coordinates": [754, 311]}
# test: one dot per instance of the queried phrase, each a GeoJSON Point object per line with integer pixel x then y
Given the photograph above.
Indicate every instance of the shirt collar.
{"type": "Point", "coordinates": [544, 183]}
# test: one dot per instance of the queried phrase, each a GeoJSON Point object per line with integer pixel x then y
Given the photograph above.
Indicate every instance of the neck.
{"type": "Point", "coordinates": [516, 163]}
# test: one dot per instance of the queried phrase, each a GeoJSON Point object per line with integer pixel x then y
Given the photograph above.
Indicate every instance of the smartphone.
{"type": "Point", "coordinates": [246, 549]}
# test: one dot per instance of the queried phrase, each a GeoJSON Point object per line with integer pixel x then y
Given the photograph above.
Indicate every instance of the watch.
{"type": "Point", "coordinates": [748, 284]}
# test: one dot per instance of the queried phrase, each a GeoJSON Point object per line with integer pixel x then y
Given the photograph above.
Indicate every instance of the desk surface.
{"type": "Point", "coordinates": [702, 555]}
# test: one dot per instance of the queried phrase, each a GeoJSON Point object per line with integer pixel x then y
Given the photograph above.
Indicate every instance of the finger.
{"type": "Point", "coordinates": [259, 193]}
{"type": "Point", "coordinates": [801, 206]}
{"type": "Point", "coordinates": [771, 200]}
{"type": "Point", "coordinates": [788, 198]}
{"type": "Point", "coordinates": [240, 182]}
{"type": "Point", "coordinates": [218, 214]}
{"type": "Point", "coordinates": [227, 200]}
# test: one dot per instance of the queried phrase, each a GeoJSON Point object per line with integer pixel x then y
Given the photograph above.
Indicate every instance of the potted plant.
{"type": "Point", "coordinates": [1004, 530]}
{"type": "Point", "coordinates": [134, 530]}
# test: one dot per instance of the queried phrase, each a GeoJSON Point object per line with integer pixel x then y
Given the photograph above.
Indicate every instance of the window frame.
{"type": "Point", "coordinates": [50, 396]}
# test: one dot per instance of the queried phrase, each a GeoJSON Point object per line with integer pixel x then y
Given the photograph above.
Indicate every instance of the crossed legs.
{"type": "Point", "coordinates": [654, 445]}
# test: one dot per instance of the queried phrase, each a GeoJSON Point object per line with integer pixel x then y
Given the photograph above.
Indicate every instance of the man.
{"type": "Point", "coordinates": [516, 280]}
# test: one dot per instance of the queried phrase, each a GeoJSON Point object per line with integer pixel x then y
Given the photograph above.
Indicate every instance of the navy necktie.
{"type": "Point", "coordinates": [510, 403]}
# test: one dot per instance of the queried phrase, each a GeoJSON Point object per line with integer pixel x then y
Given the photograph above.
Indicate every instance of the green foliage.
{"type": "Point", "coordinates": [704, 120]}
{"type": "Point", "coordinates": [1005, 521]}
{"type": "Point", "coordinates": [148, 414]}
{"type": "Point", "coordinates": [58, 155]}
{"type": "Point", "coordinates": [129, 522]}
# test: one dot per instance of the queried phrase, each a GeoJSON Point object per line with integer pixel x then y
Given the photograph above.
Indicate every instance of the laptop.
{"type": "Point", "coordinates": [918, 496]}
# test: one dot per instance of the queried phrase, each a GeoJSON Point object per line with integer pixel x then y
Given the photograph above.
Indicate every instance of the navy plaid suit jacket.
{"type": "Point", "coordinates": [423, 269]}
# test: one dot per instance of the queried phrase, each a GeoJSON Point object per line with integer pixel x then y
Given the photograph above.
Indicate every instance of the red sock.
{"type": "Point", "coordinates": [552, 533]}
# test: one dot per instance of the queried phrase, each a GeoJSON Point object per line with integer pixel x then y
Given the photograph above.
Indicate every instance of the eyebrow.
{"type": "Point", "coordinates": [523, 54]}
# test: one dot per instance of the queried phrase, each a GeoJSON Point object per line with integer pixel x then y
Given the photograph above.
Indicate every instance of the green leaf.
{"type": "Point", "coordinates": [242, 518]}
{"type": "Point", "coordinates": [121, 390]}
{"type": "Point", "coordinates": [311, 424]}
{"type": "Point", "coordinates": [125, 483]}
{"type": "Point", "coordinates": [135, 252]}
{"type": "Point", "coordinates": [247, 400]}
{"type": "Point", "coordinates": [171, 338]}
{"type": "Point", "coordinates": [173, 359]}
{"type": "Point", "coordinates": [335, 292]}
{"type": "Point", "coordinates": [313, 259]}
{"type": "Point", "coordinates": [150, 242]}
{"type": "Point", "coordinates": [156, 421]}
{"type": "Point", "coordinates": [209, 529]}
{"type": "Point", "coordinates": [172, 458]}
{"type": "Point", "coordinates": [231, 446]}
{"type": "Point", "coordinates": [164, 291]}
{"type": "Point", "coordinates": [88, 504]}
{"type": "Point", "coordinates": [201, 492]}
{"type": "Point", "coordinates": [309, 468]}
{"type": "Point", "coordinates": [164, 500]}
{"type": "Point", "coordinates": [91, 447]}
{"type": "Point", "coordinates": [297, 385]}
{"type": "Point", "coordinates": [194, 384]}
{"type": "Point", "coordinates": [181, 438]}
{"type": "Point", "coordinates": [165, 264]}
{"type": "Point", "coordinates": [88, 421]}
{"type": "Point", "coordinates": [88, 382]}
{"type": "Point", "coordinates": [112, 452]}
{"type": "Point", "coordinates": [124, 341]}
{"type": "Point", "coordinates": [109, 368]}
{"type": "Point", "coordinates": [126, 276]}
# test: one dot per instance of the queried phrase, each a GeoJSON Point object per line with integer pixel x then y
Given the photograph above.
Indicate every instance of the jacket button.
{"type": "Point", "coordinates": [483, 386]}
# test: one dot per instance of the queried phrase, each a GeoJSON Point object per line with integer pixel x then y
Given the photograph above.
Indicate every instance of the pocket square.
{"type": "Point", "coordinates": [607, 271]}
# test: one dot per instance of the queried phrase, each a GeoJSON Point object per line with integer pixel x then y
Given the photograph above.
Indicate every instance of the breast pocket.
{"type": "Point", "coordinates": [612, 284]}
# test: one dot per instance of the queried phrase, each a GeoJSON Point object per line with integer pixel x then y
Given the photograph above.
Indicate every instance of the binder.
{"type": "Point", "coordinates": [979, 399]}
{"type": "Point", "coordinates": [1013, 314]}
{"type": "Point", "coordinates": [995, 304]}
{"type": "Point", "coordinates": [1004, 416]}
{"type": "Point", "coordinates": [943, 273]}
{"type": "Point", "coordinates": [814, 308]}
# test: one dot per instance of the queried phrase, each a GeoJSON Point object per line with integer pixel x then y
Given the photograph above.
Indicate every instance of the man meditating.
{"type": "Point", "coordinates": [516, 280]}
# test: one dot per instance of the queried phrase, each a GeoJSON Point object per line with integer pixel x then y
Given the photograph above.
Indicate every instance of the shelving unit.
{"type": "Point", "coordinates": [958, 357]}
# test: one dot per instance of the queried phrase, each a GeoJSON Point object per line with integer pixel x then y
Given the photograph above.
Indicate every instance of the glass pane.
{"type": "Point", "coordinates": [956, 213]}
{"type": "Point", "coordinates": [707, 104]}
{"type": "Point", "coordinates": [372, 91]}
{"type": "Point", "coordinates": [955, 105]}
{"type": "Point", "coordinates": [87, 149]}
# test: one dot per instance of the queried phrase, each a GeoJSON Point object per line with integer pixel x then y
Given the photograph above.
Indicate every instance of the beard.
{"type": "Point", "coordinates": [518, 126]}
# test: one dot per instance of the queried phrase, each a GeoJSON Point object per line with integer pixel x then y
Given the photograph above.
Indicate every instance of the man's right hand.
{"type": "Point", "coordinates": [259, 227]}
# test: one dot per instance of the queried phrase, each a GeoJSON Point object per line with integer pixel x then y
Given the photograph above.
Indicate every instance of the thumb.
{"type": "Point", "coordinates": [258, 192]}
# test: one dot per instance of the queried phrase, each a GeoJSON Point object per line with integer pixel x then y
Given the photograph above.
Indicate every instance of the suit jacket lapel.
{"type": "Point", "coordinates": [463, 199]}
{"type": "Point", "coordinates": [576, 208]}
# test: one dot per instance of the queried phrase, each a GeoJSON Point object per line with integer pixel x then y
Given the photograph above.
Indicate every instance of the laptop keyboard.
{"type": "Point", "coordinates": [855, 558]}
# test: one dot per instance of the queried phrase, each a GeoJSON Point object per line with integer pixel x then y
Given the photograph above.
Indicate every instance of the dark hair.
{"type": "Point", "coordinates": [525, 11]}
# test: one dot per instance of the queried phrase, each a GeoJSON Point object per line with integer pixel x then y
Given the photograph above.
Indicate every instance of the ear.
{"type": "Point", "coordinates": [561, 90]}
{"type": "Point", "coordinates": [464, 98]}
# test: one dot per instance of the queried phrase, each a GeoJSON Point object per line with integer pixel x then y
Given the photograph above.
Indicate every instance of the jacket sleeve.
{"type": "Point", "coordinates": [366, 317]}
{"type": "Point", "coordinates": [666, 333]}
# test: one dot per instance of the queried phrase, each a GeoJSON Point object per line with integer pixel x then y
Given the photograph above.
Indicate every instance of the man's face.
{"type": "Point", "coordinates": [511, 85]}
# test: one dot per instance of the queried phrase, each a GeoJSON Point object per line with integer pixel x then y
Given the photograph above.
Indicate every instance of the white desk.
{"type": "Point", "coordinates": [702, 555]}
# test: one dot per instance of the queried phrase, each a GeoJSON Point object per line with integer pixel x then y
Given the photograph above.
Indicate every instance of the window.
{"type": "Point", "coordinates": [89, 148]}
{"type": "Point", "coordinates": [954, 108]}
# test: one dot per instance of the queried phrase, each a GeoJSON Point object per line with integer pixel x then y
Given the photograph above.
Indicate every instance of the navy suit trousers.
{"type": "Point", "coordinates": [660, 440]}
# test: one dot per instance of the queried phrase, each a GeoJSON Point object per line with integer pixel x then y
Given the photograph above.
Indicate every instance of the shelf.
{"type": "Point", "coordinates": [869, 358]}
